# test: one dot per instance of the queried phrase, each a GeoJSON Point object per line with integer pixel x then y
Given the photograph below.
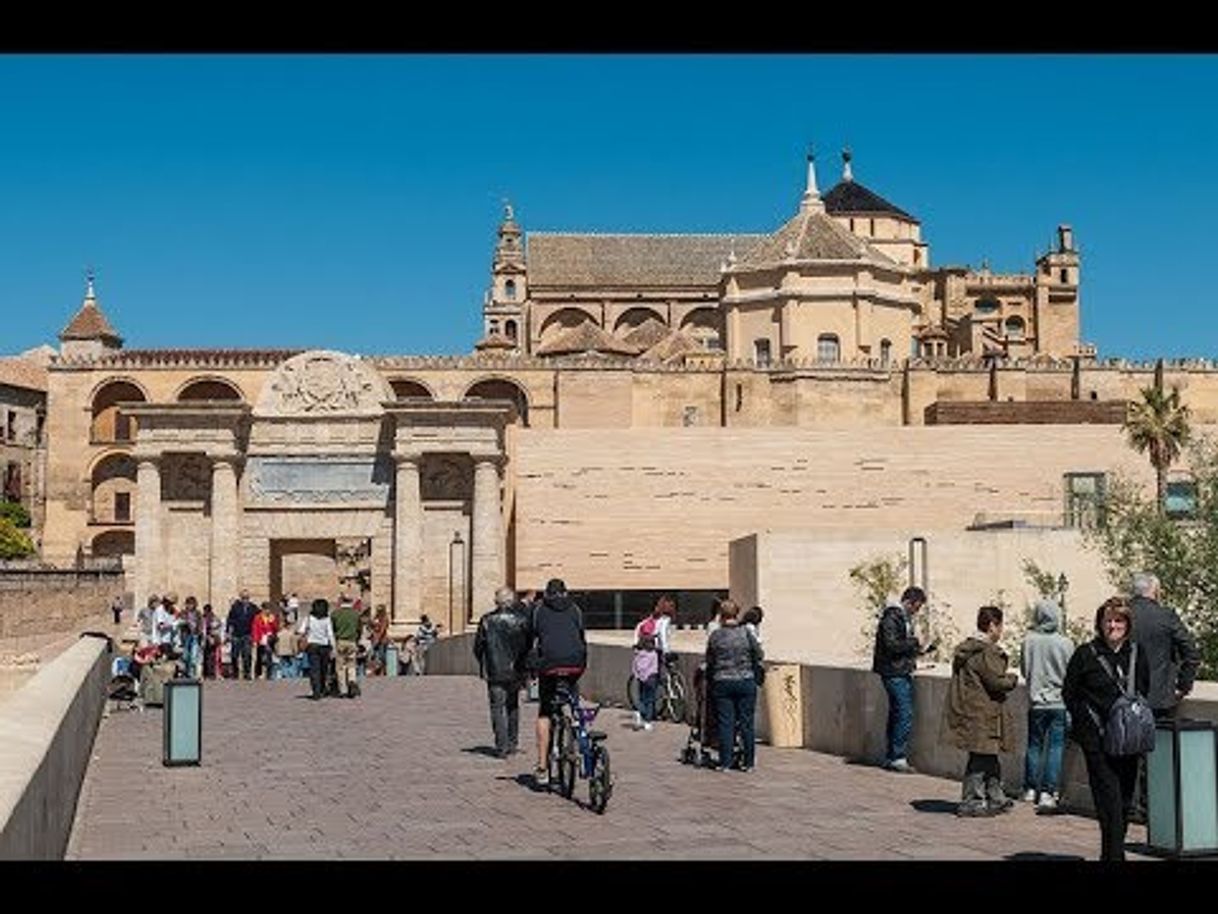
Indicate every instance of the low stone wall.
{"type": "Point", "coordinates": [845, 711]}
{"type": "Point", "coordinates": [46, 740]}
{"type": "Point", "coordinates": [42, 601]}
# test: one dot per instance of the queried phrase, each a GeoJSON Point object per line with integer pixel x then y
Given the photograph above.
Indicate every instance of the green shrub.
{"type": "Point", "coordinates": [14, 544]}
{"type": "Point", "coordinates": [15, 512]}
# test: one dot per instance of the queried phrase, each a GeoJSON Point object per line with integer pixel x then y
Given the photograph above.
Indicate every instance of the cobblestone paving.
{"type": "Point", "coordinates": [404, 773]}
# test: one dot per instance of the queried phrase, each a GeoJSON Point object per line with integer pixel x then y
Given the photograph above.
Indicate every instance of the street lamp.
{"type": "Point", "coordinates": [454, 565]}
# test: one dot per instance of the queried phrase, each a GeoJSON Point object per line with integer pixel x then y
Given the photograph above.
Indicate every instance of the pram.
{"type": "Point", "coordinates": [704, 731]}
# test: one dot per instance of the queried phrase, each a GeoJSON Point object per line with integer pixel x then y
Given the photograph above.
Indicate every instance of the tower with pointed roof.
{"type": "Point", "coordinates": [88, 334]}
{"type": "Point", "coordinates": [885, 226]}
{"type": "Point", "coordinates": [503, 308]}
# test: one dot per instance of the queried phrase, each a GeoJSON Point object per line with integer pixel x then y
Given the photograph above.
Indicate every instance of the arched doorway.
{"type": "Point", "coordinates": [502, 389]}
{"type": "Point", "coordinates": [109, 424]}
{"type": "Point", "coordinates": [209, 389]}
{"type": "Point", "coordinates": [406, 389]}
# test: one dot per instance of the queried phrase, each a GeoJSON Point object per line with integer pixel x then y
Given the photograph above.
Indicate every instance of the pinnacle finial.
{"type": "Point", "coordinates": [89, 294]}
{"type": "Point", "coordinates": [508, 214]}
{"type": "Point", "coordinates": [847, 173]}
{"type": "Point", "coordinates": [811, 198]}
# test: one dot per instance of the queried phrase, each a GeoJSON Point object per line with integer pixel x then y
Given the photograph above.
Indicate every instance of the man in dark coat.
{"type": "Point", "coordinates": [239, 628]}
{"type": "Point", "coordinates": [500, 645]}
{"type": "Point", "coordinates": [562, 653]}
{"type": "Point", "coordinates": [896, 655]}
{"type": "Point", "coordinates": [1170, 649]}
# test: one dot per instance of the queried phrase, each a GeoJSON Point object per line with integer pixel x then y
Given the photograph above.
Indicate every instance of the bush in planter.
{"type": "Point", "coordinates": [14, 544]}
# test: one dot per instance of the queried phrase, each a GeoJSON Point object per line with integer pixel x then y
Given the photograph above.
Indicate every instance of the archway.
{"type": "Point", "coordinates": [406, 389]}
{"type": "Point", "coordinates": [209, 389]}
{"type": "Point", "coordinates": [112, 484]}
{"type": "Point", "coordinates": [704, 325]}
{"type": "Point", "coordinates": [565, 319]}
{"type": "Point", "coordinates": [502, 389]}
{"type": "Point", "coordinates": [635, 318]}
{"type": "Point", "coordinates": [109, 424]}
{"type": "Point", "coordinates": [114, 543]}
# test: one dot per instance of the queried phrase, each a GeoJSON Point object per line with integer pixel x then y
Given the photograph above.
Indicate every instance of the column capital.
{"type": "Point", "coordinates": [404, 459]}
{"type": "Point", "coordinates": [230, 460]}
{"type": "Point", "coordinates": [496, 460]}
{"type": "Point", "coordinates": [143, 455]}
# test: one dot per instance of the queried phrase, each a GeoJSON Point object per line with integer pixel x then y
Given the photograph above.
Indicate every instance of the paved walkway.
{"type": "Point", "coordinates": [403, 773]}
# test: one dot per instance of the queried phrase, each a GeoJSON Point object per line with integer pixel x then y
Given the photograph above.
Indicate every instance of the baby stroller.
{"type": "Point", "coordinates": [704, 731]}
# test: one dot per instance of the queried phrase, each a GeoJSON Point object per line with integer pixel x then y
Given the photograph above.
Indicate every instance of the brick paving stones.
{"type": "Point", "coordinates": [404, 773]}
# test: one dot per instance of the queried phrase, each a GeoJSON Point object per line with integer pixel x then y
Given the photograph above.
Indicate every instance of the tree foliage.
{"type": "Point", "coordinates": [14, 543]}
{"type": "Point", "coordinates": [880, 579]}
{"type": "Point", "coordinates": [15, 512]}
{"type": "Point", "coordinates": [1158, 426]}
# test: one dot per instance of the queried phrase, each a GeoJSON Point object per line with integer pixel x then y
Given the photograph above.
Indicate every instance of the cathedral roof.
{"type": "Point", "coordinates": [671, 347]}
{"type": "Point", "coordinates": [494, 340]}
{"type": "Point", "coordinates": [811, 235]}
{"type": "Point", "coordinates": [24, 373]}
{"type": "Point", "coordinates": [850, 197]}
{"type": "Point", "coordinates": [563, 259]}
{"type": "Point", "coordinates": [646, 334]}
{"type": "Point", "coordinates": [89, 324]}
{"type": "Point", "coordinates": [587, 337]}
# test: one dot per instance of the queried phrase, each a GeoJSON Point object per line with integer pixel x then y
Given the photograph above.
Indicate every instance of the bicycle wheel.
{"type": "Point", "coordinates": [674, 703]}
{"type": "Point", "coordinates": [553, 763]}
{"type": "Point", "coordinates": [632, 692]}
{"type": "Point", "coordinates": [568, 758]}
{"type": "Point", "coordinates": [600, 783]}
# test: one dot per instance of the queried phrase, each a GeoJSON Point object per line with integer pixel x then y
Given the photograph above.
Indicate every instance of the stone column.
{"type": "Point", "coordinates": [148, 565]}
{"type": "Point", "coordinates": [224, 532]}
{"type": "Point", "coordinates": [486, 562]}
{"type": "Point", "coordinates": [407, 542]}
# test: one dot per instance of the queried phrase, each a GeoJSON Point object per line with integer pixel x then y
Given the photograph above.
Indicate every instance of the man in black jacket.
{"type": "Point", "coordinates": [500, 645]}
{"type": "Point", "coordinates": [239, 628]}
{"type": "Point", "coordinates": [1171, 652]}
{"type": "Point", "coordinates": [896, 654]}
{"type": "Point", "coordinates": [562, 653]}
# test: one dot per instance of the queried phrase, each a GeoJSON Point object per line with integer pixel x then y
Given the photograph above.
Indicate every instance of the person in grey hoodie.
{"type": "Point", "coordinates": [1043, 661]}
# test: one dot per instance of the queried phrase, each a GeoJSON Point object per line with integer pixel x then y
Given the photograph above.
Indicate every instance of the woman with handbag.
{"type": "Point", "coordinates": [1097, 681]}
{"type": "Point", "coordinates": [317, 632]}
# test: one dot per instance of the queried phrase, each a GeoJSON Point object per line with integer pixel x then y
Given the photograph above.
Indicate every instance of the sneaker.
{"type": "Point", "coordinates": [1029, 795]}
{"type": "Point", "coordinates": [974, 811]}
{"type": "Point", "coordinates": [1001, 806]}
{"type": "Point", "coordinates": [646, 725]}
{"type": "Point", "coordinates": [541, 777]}
{"type": "Point", "coordinates": [1048, 803]}
{"type": "Point", "coordinates": [900, 765]}
{"type": "Point", "coordinates": [638, 721]}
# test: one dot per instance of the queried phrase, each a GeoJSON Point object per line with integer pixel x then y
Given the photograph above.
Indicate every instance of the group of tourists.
{"type": "Point", "coordinates": [277, 640]}
{"type": "Point", "coordinates": [1107, 693]}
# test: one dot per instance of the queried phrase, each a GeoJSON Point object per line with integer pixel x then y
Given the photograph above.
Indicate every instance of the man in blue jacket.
{"type": "Point", "coordinates": [896, 654]}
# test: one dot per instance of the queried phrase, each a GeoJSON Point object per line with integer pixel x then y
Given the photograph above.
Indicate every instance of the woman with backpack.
{"type": "Point", "coordinates": [1103, 700]}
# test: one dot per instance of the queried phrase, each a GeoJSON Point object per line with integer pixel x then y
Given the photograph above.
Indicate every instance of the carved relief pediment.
{"type": "Point", "coordinates": [323, 383]}
{"type": "Point", "coordinates": [446, 477]}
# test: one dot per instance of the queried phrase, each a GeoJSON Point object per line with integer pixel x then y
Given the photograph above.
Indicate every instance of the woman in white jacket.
{"type": "Point", "coordinates": [318, 632]}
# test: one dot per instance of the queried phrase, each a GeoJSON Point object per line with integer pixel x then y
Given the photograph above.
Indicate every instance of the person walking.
{"type": "Point", "coordinates": [346, 621]}
{"type": "Point", "coordinates": [1043, 659]}
{"type": "Point", "coordinates": [264, 632]}
{"type": "Point", "coordinates": [213, 638]}
{"type": "Point", "coordinates": [975, 717]}
{"type": "Point", "coordinates": [645, 666]}
{"type": "Point", "coordinates": [500, 646]}
{"type": "Point", "coordinates": [894, 658]}
{"type": "Point", "coordinates": [116, 609]}
{"type": "Point", "coordinates": [732, 656]}
{"type": "Point", "coordinates": [238, 627]}
{"type": "Point", "coordinates": [190, 629]}
{"type": "Point", "coordinates": [1095, 679]}
{"type": "Point", "coordinates": [425, 637]}
{"type": "Point", "coordinates": [318, 632]}
{"type": "Point", "coordinates": [557, 627]}
{"type": "Point", "coordinates": [380, 640]}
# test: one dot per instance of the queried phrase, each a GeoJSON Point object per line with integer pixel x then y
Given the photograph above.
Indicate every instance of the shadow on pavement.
{"type": "Point", "coordinates": [481, 750]}
{"type": "Point", "coordinates": [940, 806]}
{"type": "Point", "coordinates": [1040, 857]}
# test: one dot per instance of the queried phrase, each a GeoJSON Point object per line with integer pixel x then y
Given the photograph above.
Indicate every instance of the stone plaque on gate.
{"type": "Point", "coordinates": [278, 481]}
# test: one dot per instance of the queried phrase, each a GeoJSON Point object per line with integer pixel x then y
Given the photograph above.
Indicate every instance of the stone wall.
{"type": "Point", "coordinates": [39, 602]}
{"type": "Point", "coordinates": [1030, 412]}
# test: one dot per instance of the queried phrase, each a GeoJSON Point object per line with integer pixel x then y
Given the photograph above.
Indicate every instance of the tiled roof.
{"type": "Point", "coordinates": [559, 259]}
{"type": "Point", "coordinates": [852, 197]}
{"type": "Point", "coordinates": [24, 373]}
{"type": "Point", "coordinates": [494, 340]}
{"type": "Point", "coordinates": [587, 337]}
{"type": "Point", "coordinates": [186, 358]}
{"type": "Point", "coordinates": [674, 346]}
{"type": "Point", "coordinates": [811, 235]}
{"type": "Point", "coordinates": [646, 334]}
{"type": "Point", "coordinates": [88, 324]}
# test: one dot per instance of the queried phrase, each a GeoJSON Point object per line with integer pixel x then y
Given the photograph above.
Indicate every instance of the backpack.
{"type": "Point", "coordinates": [647, 634]}
{"type": "Point", "coordinates": [1130, 729]}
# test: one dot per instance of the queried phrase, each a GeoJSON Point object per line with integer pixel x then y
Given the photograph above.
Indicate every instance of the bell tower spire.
{"type": "Point", "coordinates": [811, 201]}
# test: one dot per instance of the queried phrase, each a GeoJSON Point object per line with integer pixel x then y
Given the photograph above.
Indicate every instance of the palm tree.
{"type": "Point", "coordinates": [1158, 424]}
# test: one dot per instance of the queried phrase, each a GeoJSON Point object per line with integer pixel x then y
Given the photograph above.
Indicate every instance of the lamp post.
{"type": "Point", "coordinates": [454, 565]}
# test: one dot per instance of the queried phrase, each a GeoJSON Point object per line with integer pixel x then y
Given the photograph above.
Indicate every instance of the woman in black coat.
{"type": "Point", "coordinates": [1089, 691]}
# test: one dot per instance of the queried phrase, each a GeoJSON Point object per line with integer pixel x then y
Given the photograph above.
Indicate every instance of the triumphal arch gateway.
{"type": "Point", "coordinates": [635, 403]}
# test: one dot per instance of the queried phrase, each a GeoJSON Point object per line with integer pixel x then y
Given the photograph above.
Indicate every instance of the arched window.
{"type": "Point", "coordinates": [761, 352]}
{"type": "Point", "coordinates": [828, 348]}
{"type": "Point", "coordinates": [509, 329]}
{"type": "Point", "coordinates": [502, 389]}
{"type": "Point", "coordinates": [209, 389]}
{"type": "Point", "coordinates": [109, 425]}
{"type": "Point", "coordinates": [885, 351]}
{"type": "Point", "coordinates": [404, 389]}
{"type": "Point", "coordinates": [562, 320]}
{"type": "Point", "coordinates": [985, 306]}
{"type": "Point", "coordinates": [705, 326]}
{"type": "Point", "coordinates": [113, 486]}
{"type": "Point", "coordinates": [633, 319]}
{"type": "Point", "coordinates": [509, 289]}
{"type": "Point", "coordinates": [1015, 328]}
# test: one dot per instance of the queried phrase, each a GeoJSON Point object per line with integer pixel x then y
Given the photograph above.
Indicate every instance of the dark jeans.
{"type": "Point", "coordinates": [1112, 781]}
{"type": "Point", "coordinates": [263, 661]}
{"type": "Point", "coordinates": [900, 715]}
{"type": "Point", "coordinates": [319, 664]}
{"type": "Point", "coordinates": [241, 650]}
{"type": "Point", "coordinates": [735, 702]}
{"type": "Point", "coordinates": [1046, 742]}
{"type": "Point", "coordinates": [505, 714]}
{"type": "Point", "coordinates": [647, 697]}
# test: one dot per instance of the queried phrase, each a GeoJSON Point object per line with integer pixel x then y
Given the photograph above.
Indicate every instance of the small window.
{"type": "Point", "coordinates": [761, 352]}
{"type": "Point", "coordinates": [509, 328]}
{"type": "Point", "coordinates": [852, 224]}
{"type": "Point", "coordinates": [917, 257]}
{"type": "Point", "coordinates": [872, 228]}
{"type": "Point", "coordinates": [1015, 328]}
{"type": "Point", "coordinates": [914, 349]}
{"type": "Point", "coordinates": [12, 482]}
{"type": "Point", "coordinates": [986, 306]}
{"type": "Point", "coordinates": [1085, 494]}
{"type": "Point", "coordinates": [828, 348]}
{"type": "Point", "coordinates": [739, 397]}
{"type": "Point", "coordinates": [494, 326]}
{"type": "Point", "coordinates": [122, 427]}
{"type": "Point", "coordinates": [1180, 499]}
{"type": "Point", "coordinates": [885, 351]}
{"type": "Point", "coordinates": [10, 426]}
{"type": "Point", "coordinates": [509, 289]}
{"type": "Point", "coordinates": [1065, 277]}
{"type": "Point", "coordinates": [122, 507]}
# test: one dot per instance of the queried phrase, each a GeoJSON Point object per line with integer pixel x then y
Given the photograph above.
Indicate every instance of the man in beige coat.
{"type": "Point", "coordinates": [975, 718]}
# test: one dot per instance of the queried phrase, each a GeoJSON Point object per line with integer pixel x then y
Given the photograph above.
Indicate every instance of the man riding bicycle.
{"type": "Point", "coordinates": [561, 653]}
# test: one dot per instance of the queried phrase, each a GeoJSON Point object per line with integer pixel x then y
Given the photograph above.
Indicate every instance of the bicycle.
{"type": "Point", "coordinates": [671, 692]}
{"type": "Point", "coordinates": [577, 751]}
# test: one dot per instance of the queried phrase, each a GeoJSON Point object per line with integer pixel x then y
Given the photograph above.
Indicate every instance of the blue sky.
{"type": "Point", "coordinates": [350, 202]}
